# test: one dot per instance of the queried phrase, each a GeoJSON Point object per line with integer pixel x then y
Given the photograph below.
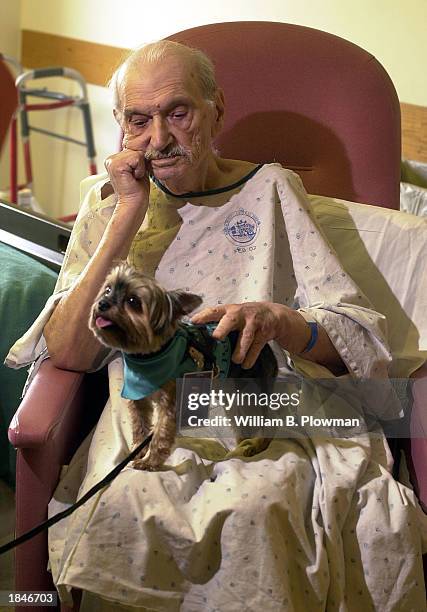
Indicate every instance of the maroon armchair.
{"type": "Point", "coordinates": [9, 101]}
{"type": "Point", "coordinates": [314, 102]}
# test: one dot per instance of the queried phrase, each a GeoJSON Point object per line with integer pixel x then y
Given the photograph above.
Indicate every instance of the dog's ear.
{"type": "Point", "coordinates": [183, 302]}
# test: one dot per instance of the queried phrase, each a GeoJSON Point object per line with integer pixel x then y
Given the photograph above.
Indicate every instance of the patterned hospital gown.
{"type": "Point", "coordinates": [309, 524]}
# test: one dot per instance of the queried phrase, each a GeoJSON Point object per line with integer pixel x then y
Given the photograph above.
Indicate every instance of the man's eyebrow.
{"type": "Point", "coordinates": [129, 112]}
{"type": "Point", "coordinates": [179, 101]}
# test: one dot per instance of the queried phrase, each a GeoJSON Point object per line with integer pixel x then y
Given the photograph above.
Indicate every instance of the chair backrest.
{"type": "Point", "coordinates": [314, 102]}
{"type": "Point", "coordinates": [9, 100]}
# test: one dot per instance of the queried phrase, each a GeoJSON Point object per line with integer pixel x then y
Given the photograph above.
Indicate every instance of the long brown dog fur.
{"type": "Point", "coordinates": [140, 318]}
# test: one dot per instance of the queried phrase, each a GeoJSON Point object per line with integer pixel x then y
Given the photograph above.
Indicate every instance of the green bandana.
{"type": "Point", "coordinates": [144, 374]}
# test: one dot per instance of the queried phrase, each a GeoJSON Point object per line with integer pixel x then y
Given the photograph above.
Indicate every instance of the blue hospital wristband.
{"type": "Point", "coordinates": [313, 338]}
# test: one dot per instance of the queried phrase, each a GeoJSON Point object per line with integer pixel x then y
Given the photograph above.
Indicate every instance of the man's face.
{"type": "Point", "coordinates": [163, 114]}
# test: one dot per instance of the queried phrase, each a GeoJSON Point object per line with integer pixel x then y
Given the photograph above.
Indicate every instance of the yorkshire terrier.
{"type": "Point", "coordinates": [134, 314]}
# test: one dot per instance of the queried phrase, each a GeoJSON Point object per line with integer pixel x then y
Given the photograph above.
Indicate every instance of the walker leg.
{"type": "Point", "coordinates": [13, 170]}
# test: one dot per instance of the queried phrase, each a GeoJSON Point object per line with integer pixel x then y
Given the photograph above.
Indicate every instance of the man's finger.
{"type": "Point", "coordinates": [206, 315]}
{"type": "Point", "coordinates": [227, 323]}
{"type": "Point", "coordinates": [253, 352]}
{"type": "Point", "coordinates": [244, 342]}
{"type": "Point", "coordinates": [140, 170]}
{"type": "Point", "coordinates": [127, 145]}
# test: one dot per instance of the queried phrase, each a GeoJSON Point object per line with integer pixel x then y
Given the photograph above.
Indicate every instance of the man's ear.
{"type": "Point", "coordinates": [183, 302]}
{"type": "Point", "coordinates": [118, 116]}
{"type": "Point", "coordinates": [219, 111]}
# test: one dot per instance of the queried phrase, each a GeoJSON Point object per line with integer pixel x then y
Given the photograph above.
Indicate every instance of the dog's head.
{"type": "Point", "coordinates": [132, 312]}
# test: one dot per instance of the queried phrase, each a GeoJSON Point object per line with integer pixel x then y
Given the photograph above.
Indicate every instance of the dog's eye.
{"type": "Point", "coordinates": [134, 302]}
{"type": "Point", "coordinates": [107, 290]}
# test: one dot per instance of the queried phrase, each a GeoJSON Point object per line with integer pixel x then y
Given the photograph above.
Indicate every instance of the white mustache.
{"type": "Point", "coordinates": [178, 150]}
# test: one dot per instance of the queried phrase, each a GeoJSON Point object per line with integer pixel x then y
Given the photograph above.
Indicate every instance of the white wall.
{"type": "Point", "coordinates": [10, 25]}
{"type": "Point", "coordinates": [393, 30]}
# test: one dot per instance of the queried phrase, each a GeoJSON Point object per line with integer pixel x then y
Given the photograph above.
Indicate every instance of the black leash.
{"type": "Point", "coordinates": [206, 350]}
{"type": "Point", "coordinates": [58, 517]}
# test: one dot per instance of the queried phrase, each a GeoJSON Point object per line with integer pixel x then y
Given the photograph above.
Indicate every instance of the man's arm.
{"type": "Point", "coordinates": [70, 343]}
{"type": "Point", "coordinates": [260, 322]}
{"type": "Point", "coordinates": [295, 335]}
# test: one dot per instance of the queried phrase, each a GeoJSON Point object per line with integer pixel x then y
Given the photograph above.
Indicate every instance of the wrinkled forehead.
{"type": "Point", "coordinates": [149, 81]}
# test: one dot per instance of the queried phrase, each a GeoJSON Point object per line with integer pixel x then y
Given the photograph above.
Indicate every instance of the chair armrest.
{"type": "Point", "coordinates": [58, 411]}
{"type": "Point", "coordinates": [46, 424]}
{"type": "Point", "coordinates": [45, 407]}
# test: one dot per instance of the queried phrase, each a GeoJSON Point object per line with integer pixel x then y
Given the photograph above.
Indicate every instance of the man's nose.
{"type": "Point", "coordinates": [104, 305]}
{"type": "Point", "coordinates": [159, 135]}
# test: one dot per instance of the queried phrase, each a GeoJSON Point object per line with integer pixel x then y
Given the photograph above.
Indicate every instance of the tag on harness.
{"type": "Point", "coordinates": [207, 374]}
{"type": "Point", "coordinates": [192, 388]}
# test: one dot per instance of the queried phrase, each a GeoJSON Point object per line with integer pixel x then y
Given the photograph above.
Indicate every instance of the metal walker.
{"type": "Point", "coordinates": [59, 100]}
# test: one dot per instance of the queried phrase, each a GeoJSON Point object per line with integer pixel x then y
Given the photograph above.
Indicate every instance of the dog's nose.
{"type": "Point", "coordinates": [103, 305]}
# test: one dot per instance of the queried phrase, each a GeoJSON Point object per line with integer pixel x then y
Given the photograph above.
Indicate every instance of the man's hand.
{"type": "Point", "coordinates": [128, 173]}
{"type": "Point", "coordinates": [258, 323]}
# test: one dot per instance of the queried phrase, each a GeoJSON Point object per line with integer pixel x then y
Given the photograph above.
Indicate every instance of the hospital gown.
{"type": "Point", "coordinates": [308, 524]}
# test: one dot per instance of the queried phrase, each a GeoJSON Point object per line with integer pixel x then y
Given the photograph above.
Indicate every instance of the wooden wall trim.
{"type": "Point", "coordinates": [414, 132]}
{"type": "Point", "coordinates": [97, 62]}
{"type": "Point", "coordinates": [94, 61]}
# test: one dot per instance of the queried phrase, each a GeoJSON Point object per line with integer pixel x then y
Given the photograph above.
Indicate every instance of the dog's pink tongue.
{"type": "Point", "coordinates": [101, 322]}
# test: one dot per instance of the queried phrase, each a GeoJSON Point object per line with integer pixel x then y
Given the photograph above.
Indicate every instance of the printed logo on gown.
{"type": "Point", "coordinates": [242, 227]}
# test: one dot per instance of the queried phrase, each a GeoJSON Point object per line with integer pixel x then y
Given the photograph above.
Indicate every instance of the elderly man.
{"type": "Point", "coordinates": [170, 114]}
{"type": "Point", "coordinates": [305, 525]}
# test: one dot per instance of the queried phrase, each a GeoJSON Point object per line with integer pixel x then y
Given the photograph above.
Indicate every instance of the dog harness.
{"type": "Point", "coordinates": [192, 349]}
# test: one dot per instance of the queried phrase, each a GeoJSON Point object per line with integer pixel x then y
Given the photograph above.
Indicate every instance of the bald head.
{"type": "Point", "coordinates": [198, 66]}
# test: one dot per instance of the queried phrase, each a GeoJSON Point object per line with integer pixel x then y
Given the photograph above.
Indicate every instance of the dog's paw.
{"type": "Point", "coordinates": [151, 462]}
{"type": "Point", "coordinates": [244, 449]}
{"type": "Point", "coordinates": [248, 448]}
{"type": "Point", "coordinates": [143, 464]}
